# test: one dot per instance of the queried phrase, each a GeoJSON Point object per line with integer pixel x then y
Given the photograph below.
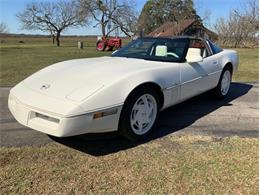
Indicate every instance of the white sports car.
{"type": "Point", "coordinates": [123, 92]}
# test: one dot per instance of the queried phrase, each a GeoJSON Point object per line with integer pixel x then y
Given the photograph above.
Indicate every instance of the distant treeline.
{"type": "Point", "coordinates": [7, 35]}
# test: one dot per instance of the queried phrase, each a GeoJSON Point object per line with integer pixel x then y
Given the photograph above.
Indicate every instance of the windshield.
{"type": "Point", "coordinates": [158, 49]}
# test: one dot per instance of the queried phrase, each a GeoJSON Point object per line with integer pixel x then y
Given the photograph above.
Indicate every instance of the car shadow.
{"type": "Point", "coordinates": [170, 120]}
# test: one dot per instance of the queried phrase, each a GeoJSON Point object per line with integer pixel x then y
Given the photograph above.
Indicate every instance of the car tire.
{"type": "Point", "coordinates": [222, 89]}
{"type": "Point", "coordinates": [139, 114]}
{"type": "Point", "coordinates": [100, 46]}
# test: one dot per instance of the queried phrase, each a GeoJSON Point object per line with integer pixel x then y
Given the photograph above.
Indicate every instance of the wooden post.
{"type": "Point", "coordinates": [80, 45]}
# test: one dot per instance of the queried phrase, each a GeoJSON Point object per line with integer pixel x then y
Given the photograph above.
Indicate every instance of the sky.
{"type": "Point", "coordinates": [216, 8]}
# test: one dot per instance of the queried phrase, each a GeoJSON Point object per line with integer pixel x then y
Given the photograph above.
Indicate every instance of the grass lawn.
{"type": "Point", "coordinates": [181, 164]}
{"type": "Point", "coordinates": [19, 60]}
{"type": "Point", "coordinates": [248, 65]}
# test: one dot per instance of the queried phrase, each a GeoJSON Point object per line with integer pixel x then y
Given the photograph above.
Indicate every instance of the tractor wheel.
{"type": "Point", "coordinates": [100, 46]}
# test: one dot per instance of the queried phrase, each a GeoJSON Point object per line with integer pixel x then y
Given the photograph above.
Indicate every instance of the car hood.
{"type": "Point", "coordinates": [76, 80]}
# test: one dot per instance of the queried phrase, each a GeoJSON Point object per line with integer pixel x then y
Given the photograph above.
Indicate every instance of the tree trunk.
{"type": "Point", "coordinates": [103, 25]}
{"type": "Point", "coordinates": [103, 29]}
{"type": "Point", "coordinates": [58, 39]}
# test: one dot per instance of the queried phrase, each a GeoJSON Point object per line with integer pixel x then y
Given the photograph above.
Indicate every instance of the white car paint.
{"type": "Point", "coordinates": [62, 99]}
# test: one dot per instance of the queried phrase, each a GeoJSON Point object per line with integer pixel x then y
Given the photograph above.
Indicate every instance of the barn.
{"type": "Point", "coordinates": [189, 27]}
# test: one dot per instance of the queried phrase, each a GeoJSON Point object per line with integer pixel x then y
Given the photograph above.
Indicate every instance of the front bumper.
{"type": "Point", "coordinates": [59, 126]}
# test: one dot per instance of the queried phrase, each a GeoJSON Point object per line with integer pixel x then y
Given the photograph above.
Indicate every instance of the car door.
{"type": "Point", "coordinates": [211, 66]}
{"type": "Point", "coordinates": [200, 76]}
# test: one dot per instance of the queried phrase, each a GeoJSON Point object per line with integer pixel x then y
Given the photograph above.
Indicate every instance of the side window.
{"type": "Point", "coordinates": [198, 44]}
{"type": "Point", "coordinates": [215, 48]}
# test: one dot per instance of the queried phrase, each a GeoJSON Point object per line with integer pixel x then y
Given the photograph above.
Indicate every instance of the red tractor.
{"type": "Point", "coordinates": [108, 44]}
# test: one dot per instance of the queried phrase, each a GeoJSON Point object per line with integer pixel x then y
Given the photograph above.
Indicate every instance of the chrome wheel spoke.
{"type": "Point", "coordinates": [225, 82]}
{"type": "Point", "coordinates": [150, 109]}
{"type": "Point", "coordinates": [140, 125]}
{"type": "Point", "coordinates": [138, 107]}
{"type": "Point", "coordinates": [143, 114]}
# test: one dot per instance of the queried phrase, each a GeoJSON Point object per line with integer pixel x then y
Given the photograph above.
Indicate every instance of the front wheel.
{"type": "Point", "coordinates": [224, 83]}
{"type": "Point", "coordinates": [139, 114]}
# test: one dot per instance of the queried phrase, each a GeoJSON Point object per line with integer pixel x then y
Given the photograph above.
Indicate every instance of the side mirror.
{"type": "Point", "coordinates": [194, 58]}
{"type": "Point", "coordinates": [193, 55]}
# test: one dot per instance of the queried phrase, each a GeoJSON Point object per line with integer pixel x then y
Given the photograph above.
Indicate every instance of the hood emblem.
{"type": "Point", "coordinates": [46, 86]}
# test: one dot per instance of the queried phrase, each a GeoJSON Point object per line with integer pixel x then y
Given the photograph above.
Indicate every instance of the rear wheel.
{"type": "Point", "coordinates": [223, 87]}
{"type": "Point", "coordinates": [100, 46]}
{"type": "Point", "coordinates": [139, 114]}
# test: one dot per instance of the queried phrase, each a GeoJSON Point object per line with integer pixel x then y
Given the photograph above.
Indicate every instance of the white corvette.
{"type": "Point", "coordinates": [124, 92]}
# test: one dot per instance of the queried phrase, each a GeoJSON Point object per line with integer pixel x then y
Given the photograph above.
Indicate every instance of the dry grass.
{"type": "Point", "coordinates": [182, 164]}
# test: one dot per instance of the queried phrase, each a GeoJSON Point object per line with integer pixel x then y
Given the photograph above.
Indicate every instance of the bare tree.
{"type": "Point", "coordinates": [52, 17]}
{"type": "Point", "coordinates": [109, 16]}
{"type": "Point", "coordinates": [203, 11]}
{"type": "Point", "coordinates": [126, 19]}
{"type": "Point", "coordinates": [241, 28]}
{"type": "Point", "coordinates": [250, 14]}
{"type": "Point", "coordinates": [3, 28]}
